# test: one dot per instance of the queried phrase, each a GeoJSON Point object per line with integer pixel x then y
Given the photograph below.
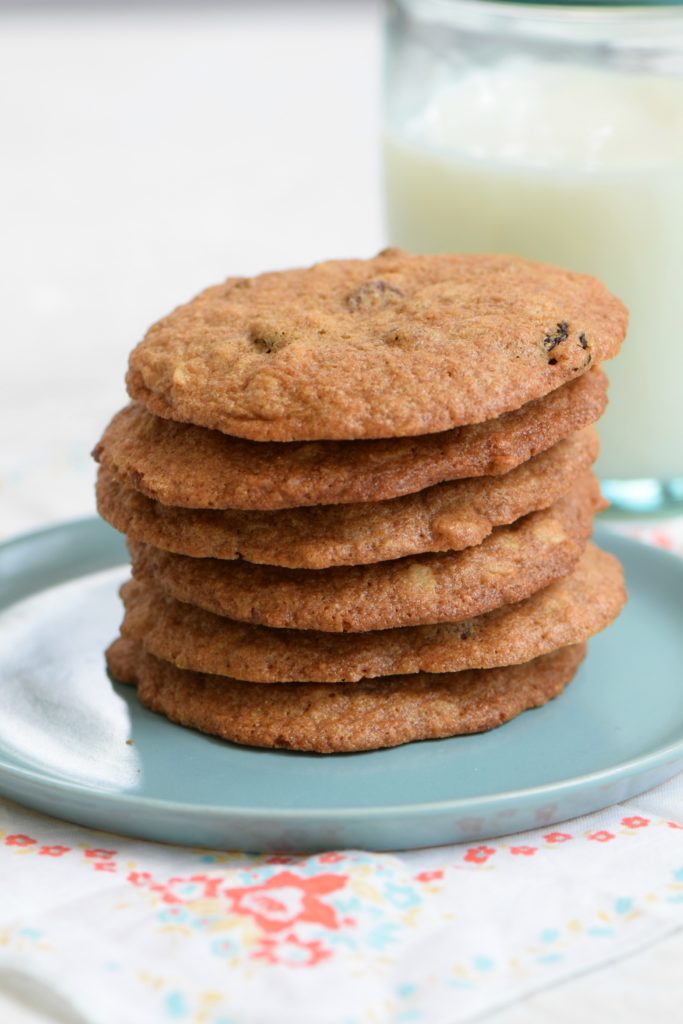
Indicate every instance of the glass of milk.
{"type": "Point", "coordinates": [556, 132]}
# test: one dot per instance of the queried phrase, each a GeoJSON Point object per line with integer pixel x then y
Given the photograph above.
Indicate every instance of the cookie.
{"type": "Point", "coordinates": [181, 465]}
{"type": "Point", "coordinates": [510, 564]}
{"type": "Point", "coordinates": [399, 345]}
{"type": "Point", "coordinates": [567, 612]}
{"type": "Point", "coordinates": [446, 517]}
{"type": "Point", "coordinates": [330, 719]}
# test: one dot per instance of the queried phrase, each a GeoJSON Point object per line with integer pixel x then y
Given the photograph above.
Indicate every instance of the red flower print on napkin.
{"type": "Point", "coordinates": [19, 840]}
{"type": "Point", "coordinates": [479, 854]}
{"type": "Point", "coordinates": [286, 899]}
{"type": "Point", "coordinates": [140, 878]}
{"type": "Point", "coordinates": [557, 837]}
{"type": "Point", "coordinates": [635, 821]}
{"type": "Point", "coordinates": [429, 876]}
{"type": "Point", "coordinates": [291, 952]}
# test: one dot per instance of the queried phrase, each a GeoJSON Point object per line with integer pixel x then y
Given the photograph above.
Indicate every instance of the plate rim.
{"type": "Point", "coordinates": [661, 757]}
{"type": "Point", "coordinates": [626, 769]}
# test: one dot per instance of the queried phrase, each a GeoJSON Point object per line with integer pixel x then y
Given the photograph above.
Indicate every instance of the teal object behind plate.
{"type": "Point", "coordinates": [76, 746]}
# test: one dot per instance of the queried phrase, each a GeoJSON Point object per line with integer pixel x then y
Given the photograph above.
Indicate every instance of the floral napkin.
{"type": "Point", "coordinates": [129, 932]}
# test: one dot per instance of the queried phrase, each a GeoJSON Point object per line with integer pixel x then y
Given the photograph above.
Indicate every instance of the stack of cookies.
{"type": "Point", "coordinates": [358, 500]}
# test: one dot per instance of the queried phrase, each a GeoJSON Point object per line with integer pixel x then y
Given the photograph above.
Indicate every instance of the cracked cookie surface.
{"type": "Point", "coordinates": [446, 517]}
{"type": "Point", "coordinates": [330, 719]}
{"type": "Point", "coordinates": [510, 564]}
{"type": "Point", "coordinates": [568, 611]}
{"type": "Point", "coordinates": [394, 346]}
{"type": "Point", "coordinates": [181, 465]}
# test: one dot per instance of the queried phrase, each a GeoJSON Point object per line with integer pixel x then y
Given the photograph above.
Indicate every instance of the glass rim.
{"type": "Point", "coordinates": [590, 11]}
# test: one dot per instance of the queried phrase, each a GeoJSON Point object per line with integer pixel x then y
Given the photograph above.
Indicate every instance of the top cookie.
{"type": "Point", "coordinates": [394, 346]}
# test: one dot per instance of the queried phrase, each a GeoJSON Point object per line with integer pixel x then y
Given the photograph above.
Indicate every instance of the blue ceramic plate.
{"type": "Point", "coordinates": [78, 747]}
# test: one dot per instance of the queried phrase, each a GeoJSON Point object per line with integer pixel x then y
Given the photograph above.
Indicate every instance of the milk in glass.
{"type": "Point", "coordinates": [570, 165]}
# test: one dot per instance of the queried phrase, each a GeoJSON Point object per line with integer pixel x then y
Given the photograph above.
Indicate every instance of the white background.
{"type": "Point", "coordinates": [146, 153]}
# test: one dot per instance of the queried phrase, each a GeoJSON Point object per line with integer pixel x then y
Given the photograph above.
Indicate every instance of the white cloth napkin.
{"type": "Point", "coordinates": [118, 930]}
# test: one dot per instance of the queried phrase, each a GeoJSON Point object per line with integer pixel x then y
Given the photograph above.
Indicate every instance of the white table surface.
{"type": "Point", "coordinates": [145, 154]}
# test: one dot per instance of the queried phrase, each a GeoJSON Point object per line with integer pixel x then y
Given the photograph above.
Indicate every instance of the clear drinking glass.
{"type": "Point", "coordinates": [556, 132]}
